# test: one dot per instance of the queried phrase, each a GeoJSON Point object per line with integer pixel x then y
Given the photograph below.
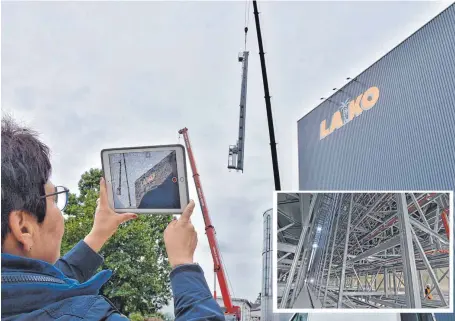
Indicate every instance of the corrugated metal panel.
{"type": "Point", "coordinates": [445, 317]}
{"type": "Point", "coordinates": [407, 140]}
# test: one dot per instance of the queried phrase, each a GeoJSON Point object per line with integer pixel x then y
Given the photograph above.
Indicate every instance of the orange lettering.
{"type": "Point", "coordinates": [354, 108]}
{"type": "Point", "coordinates": [363, 102]}
{"type": "Point", "coordinates": [324, 131]}
{"type": "Point", "coordinates": [370, 97]}
{"type": "Point", "coordinates": [337, 121]}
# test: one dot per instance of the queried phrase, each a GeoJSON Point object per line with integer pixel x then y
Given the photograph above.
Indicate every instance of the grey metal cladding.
{"type": "Point", "coordinates": [407, 140]}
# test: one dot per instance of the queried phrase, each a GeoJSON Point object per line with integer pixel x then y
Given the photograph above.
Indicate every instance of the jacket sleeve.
{"type": "Point", "coordinates": [192, 297]}
{"type": "Point", "coordinates": [80, 263]}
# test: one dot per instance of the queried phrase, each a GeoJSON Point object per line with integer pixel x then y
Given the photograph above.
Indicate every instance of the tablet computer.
{"type": "Point", "coordinates": [146, 180]}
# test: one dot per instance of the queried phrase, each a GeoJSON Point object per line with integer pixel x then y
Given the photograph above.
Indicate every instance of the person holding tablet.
{"type": "Point", "coordinates": [36, 283]}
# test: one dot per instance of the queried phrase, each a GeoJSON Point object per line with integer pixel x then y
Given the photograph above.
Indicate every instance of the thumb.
{"type": "Point", "coordinates": [186, 215]}
{"type": "Point", "coordinates": [126, 217]}
{"type": "Point", "coordinates": [103, 193]}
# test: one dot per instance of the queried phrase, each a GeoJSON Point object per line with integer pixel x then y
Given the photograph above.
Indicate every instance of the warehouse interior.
{"type": "Point", "coordinates": [363, 250]}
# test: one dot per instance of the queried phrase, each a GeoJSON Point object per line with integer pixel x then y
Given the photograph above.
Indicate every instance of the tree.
{"type": "Point", "coordinates": [136, 253]}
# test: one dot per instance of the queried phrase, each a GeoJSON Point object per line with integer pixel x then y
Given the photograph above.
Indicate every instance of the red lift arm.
{"type": "Point", "coordinates": [210, 231]}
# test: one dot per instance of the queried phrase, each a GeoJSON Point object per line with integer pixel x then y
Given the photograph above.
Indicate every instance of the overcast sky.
{"type": "Point", "coordinates": [90, 76]}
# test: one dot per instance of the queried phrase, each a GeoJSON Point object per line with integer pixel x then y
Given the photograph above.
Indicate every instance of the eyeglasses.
{"type": "Point", "coordinates": [60, 197]}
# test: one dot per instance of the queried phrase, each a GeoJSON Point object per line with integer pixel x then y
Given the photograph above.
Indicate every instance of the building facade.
{"type": "Point", "coordinates": [390, 128]}
{"type": "Point", "coordinates": [245, 307]}
{"type": "Point", "coordinates": [399, 129]}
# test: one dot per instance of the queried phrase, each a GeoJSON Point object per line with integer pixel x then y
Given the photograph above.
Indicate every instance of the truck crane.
{"type": "Point", "coordinates": [232, 312]}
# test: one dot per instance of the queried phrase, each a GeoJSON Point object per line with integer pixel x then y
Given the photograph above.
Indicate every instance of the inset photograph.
{"type": "Point", "coordinates": [363, 251]}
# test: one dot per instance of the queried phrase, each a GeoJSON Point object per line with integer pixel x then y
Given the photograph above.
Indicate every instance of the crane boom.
{"type": "Point", "coordinates": [210, 231]}
{"type": "Point", "coordinates": [268, 104]}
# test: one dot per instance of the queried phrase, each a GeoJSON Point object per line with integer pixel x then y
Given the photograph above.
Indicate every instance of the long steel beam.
{"type": "Point", "coordinates": [331, 258]}
{"type": "Point", "coordinates": [299, 247]}
{"type": "Point", "coordinates": [407, 248]}
{"type": "Point", "coordinates": [288, 248]}
{"type": "Point", "coordinates": [345, 254]}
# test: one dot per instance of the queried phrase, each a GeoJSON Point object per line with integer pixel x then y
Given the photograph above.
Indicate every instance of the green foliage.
{"type": "Point", "coordinates": [136, 253]}
{"type": "Point", "coordinates": [152, 317]}
{"type": "Point", "coordinates": [90, 181]}
{"type": "Point", "coordinates": [136, 317]}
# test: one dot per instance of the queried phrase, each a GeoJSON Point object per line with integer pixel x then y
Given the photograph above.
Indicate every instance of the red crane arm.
{"type": "Point", "coordinates": [209, 229]}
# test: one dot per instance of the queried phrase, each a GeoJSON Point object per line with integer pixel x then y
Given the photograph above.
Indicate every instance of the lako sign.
{"type": "Point", "coordinates": [349, 110]}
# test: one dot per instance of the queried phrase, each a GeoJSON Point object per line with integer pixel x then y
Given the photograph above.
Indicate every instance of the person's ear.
{"type": "Point", "coordinates": [22, 226]}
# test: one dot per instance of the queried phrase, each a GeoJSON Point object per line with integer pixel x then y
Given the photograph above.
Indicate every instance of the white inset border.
{"type": "Point", "coordinates": [370, 311]}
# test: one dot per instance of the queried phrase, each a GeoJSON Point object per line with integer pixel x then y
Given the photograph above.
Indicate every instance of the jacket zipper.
{"type": "Point", "coordinates": [28, 278]}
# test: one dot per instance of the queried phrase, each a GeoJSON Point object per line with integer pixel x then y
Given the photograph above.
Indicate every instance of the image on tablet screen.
{"type": "Point", "coordinates": [145, 180]}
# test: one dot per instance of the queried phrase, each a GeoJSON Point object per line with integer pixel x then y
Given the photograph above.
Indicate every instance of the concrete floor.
{"type": "Point", "coordinates": [303, 301]}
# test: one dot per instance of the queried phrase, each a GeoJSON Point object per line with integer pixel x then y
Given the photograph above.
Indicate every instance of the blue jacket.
{"type": "Point", "coordinates": [69, 290]}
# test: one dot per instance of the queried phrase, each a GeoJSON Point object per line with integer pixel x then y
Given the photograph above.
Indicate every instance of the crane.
{"type": "Point", "coordinates": [232, 312]}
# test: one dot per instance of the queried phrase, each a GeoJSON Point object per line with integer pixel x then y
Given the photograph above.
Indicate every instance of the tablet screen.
{"type": "Point", "coordinates": [145, 180]}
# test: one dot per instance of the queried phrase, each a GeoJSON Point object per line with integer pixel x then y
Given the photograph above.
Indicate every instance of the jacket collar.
{"type": "Point", "coordinates": [13, 263]}
{"type": "Point", "coordinates": [24, 297]}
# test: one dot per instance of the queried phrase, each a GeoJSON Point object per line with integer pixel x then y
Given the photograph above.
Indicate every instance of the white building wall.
{"type": "Point", "coordinates": [255, 315]}
{"type": "Point", "coordinates": [245, 308]}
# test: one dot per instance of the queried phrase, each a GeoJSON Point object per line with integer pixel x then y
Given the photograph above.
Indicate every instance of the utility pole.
{"type": "Point", "coordinates": [268, 104]}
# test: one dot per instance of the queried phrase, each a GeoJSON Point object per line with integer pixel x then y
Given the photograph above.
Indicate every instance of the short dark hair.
{"type": "Point", "coordinates": [26, 168]}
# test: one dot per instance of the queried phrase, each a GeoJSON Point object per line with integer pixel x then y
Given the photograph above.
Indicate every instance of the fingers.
{"type": "Point", "coordinates": [186, 215]}
{"type": "Point", "coordinates": [127, 217]}
{"type": "Point", "coordinates": [103, 193]}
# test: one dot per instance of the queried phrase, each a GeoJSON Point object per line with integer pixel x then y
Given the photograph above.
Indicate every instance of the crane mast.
{"type": "Point", "coordinates": [235, 160]}
{"type": "Point", "coordinates": [210, 231]}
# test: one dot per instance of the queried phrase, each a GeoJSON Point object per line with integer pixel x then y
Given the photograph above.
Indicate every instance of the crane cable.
{"type": "Point", "coordinates": [227, 277]}
{"type": "Point", "coordinates": [247, 19]}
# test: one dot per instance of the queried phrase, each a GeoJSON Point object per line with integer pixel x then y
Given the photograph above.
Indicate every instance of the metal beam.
{"type": "Point", "coordinates": [419, 209]}
{"type": "Point", "coordinates": [288, 248]}
{"type": "Point", "coordinates": [298, 248]}
{"type": "Point", "coordinates": [386, 282]}
{"type": "Point", "coordinates": [394, 241]}
{"type": "Point", "coordinates": [407, 249]}
{"type": "Point", "coordinates": [301, 274]}
{"type": "Point", "coordinates": [370, 210]}
{"type": "Point", "coordinates": [428, 266]}
{"type": "Point", "coordinates": [345, 253]}
{"type": "Point", "coordinates": [362, 293]}
{"type": "Point", "coordinates": [285, 228]}
{"type": "Point", "coordinates": [289, 217]}
{"type": "Point", "coordinates": [331, 256]}
{"type": "Point", "coordinates": [427, 230]}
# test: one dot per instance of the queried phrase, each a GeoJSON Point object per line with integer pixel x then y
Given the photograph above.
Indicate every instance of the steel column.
{"type": "Point", "coordinates": [345, 255]}
{"type": "Point", "coordinates": [298, 250]}
{"type": "Point", "coordinates": [407, 249]}
{"type": "Point", "coordinates": [331, 257]}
